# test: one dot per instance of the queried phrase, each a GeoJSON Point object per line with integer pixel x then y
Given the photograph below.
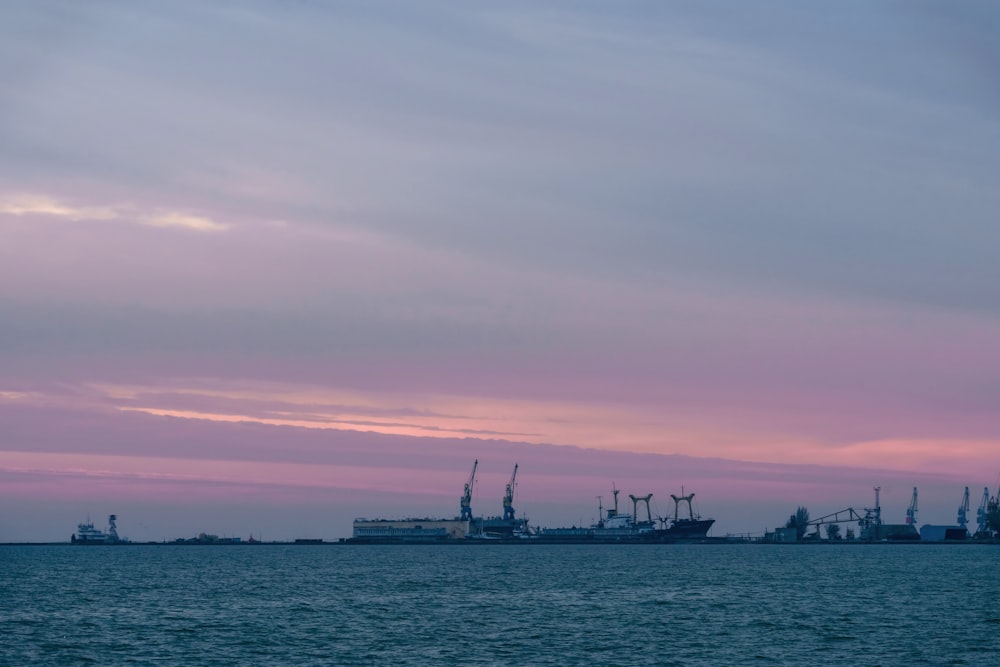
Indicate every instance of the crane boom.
{"type": "Point", "coordinates": [911, 511]}
{"type": "Point", "coordinates": [963, 509]}
{"type": "Point", "coordinates": [508, 496]}
{"type": "Point", "coordinates": [982, 515]}
{"type": "Point", "coordinates": [466, 501]}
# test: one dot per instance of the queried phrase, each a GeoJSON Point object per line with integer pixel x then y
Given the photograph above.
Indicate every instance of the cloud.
{"type": "Point", "coordinates": [21, 205]}
{"type": "Point", "coordinates": [651, 143]}
{"type": "Point", "coordinates": [41, 205]}
{"type": "Point", "coordinates": [192, 222]}
{"type": "Point", "coordinates": [14, 395]}
{"type": "Point", "coordinates": [697, 427]}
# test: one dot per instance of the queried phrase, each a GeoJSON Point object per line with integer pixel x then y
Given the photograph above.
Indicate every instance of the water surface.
{"type": "Point", "coordinates": [501, 605]}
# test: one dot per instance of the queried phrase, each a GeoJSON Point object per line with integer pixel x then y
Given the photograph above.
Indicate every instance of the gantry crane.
{"type": "Point", "coordinates": [508, 496]}
{"type": "Point", "coordinates": [677, 505]}
{"type": "Point", "coordinates": [635, 507]}
{"type": "Point", "coordinates": [911, 511]}
{"type": "Point", "coordinates": [963, 509]}
{"type": "Point", "coordinates": [466, 501]}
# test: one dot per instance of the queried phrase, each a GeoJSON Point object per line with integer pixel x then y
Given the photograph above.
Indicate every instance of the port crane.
{"type": "Point", "coordinates": [466, 501]}
{"type": "Point", "coordinates": [982, 515]}
{"type": "Point", "coordinates": [508, 496]}
{"type": "Point", "coordinates": [963, 510]}
{"type": "Point", "coordinates": [871, 522]}
{"type": "Point", "coordinates": [911, 511]}
{"type": "Point", "coordinates": [842, 516]}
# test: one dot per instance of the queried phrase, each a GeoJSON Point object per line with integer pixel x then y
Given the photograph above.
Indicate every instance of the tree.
{"type": "Point", "coordinates": [850, 534]}
{"type": "Point", "coordinates": [799, 521]}
{"type": "Point", "coordinates": [832, 531]}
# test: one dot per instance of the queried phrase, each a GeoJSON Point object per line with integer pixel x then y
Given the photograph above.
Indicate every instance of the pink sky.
{"type": "Point", "coordinates": [241, 292]}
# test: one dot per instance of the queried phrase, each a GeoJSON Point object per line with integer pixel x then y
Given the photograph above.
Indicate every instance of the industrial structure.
{"type": "Point", "coordinates": [911, 511]}
{"type": "Point", "coordinates": [466, 501]}
{"type": "Point", "coordinates": [508, 497]}
{"type": "Point", "coordinates": [982, 516]}
{"type": "Point", "coordinates": [874, 529]}
{"type": "Point", "coordinates": [931, 533]}
{"type": "Point", "coordinates": [464, 526]}
{"type": "Point", "coordinates": [613, 527]}
{"type": "Point", "coordinates": [963, 510]}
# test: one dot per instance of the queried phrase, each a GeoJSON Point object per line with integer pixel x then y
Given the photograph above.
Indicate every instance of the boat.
{"type": "Point", "coordinates": [87, 534]}
{"type": "Point", "coordinates": [618, 527]}
{"type": "Point", "coordinates": [692, 527]}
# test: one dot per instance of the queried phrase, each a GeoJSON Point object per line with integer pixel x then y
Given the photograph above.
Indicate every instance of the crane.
{"type": "Point", "coordinates": [911, 511]}
{"type": "Point", "coordinates": [677, 505]}
{"type": "Point", "coordinates": [635, 507]}
{"type": "Point", "coordinates": [982, 515]}
{"type": "Point", "coordinates": [871, 523]}
{"type": "Point", "coordinates": [466, 501]}
{"type": "Point", "coordinates": [963, 509]}
{"type": "Point", "coordinates": [508, 496]}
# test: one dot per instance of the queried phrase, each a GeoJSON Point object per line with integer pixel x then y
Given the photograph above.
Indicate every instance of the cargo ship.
{"type": "Point", "coordinates": [613, 526]}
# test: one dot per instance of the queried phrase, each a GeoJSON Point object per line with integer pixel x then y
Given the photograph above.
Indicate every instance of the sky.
{"type": "Point", "coordinates": [268, 266]}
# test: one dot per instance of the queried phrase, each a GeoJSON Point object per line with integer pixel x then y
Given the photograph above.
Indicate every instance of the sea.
{"type": "Point", "coordinates": [820, 604]}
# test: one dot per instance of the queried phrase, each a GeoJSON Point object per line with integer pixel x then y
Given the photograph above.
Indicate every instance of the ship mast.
{"type": "Point", "coordinates": [613, 513]}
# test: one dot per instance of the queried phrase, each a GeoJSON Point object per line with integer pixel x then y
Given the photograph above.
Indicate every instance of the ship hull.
{"type": "Point", "coordinates": [688, 529]}
{"type": "Point", "coordinates": [679, 531]}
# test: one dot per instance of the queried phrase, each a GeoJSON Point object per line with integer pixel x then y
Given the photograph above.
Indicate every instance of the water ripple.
{"type": "Point", "coordinates": [500, 605]}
